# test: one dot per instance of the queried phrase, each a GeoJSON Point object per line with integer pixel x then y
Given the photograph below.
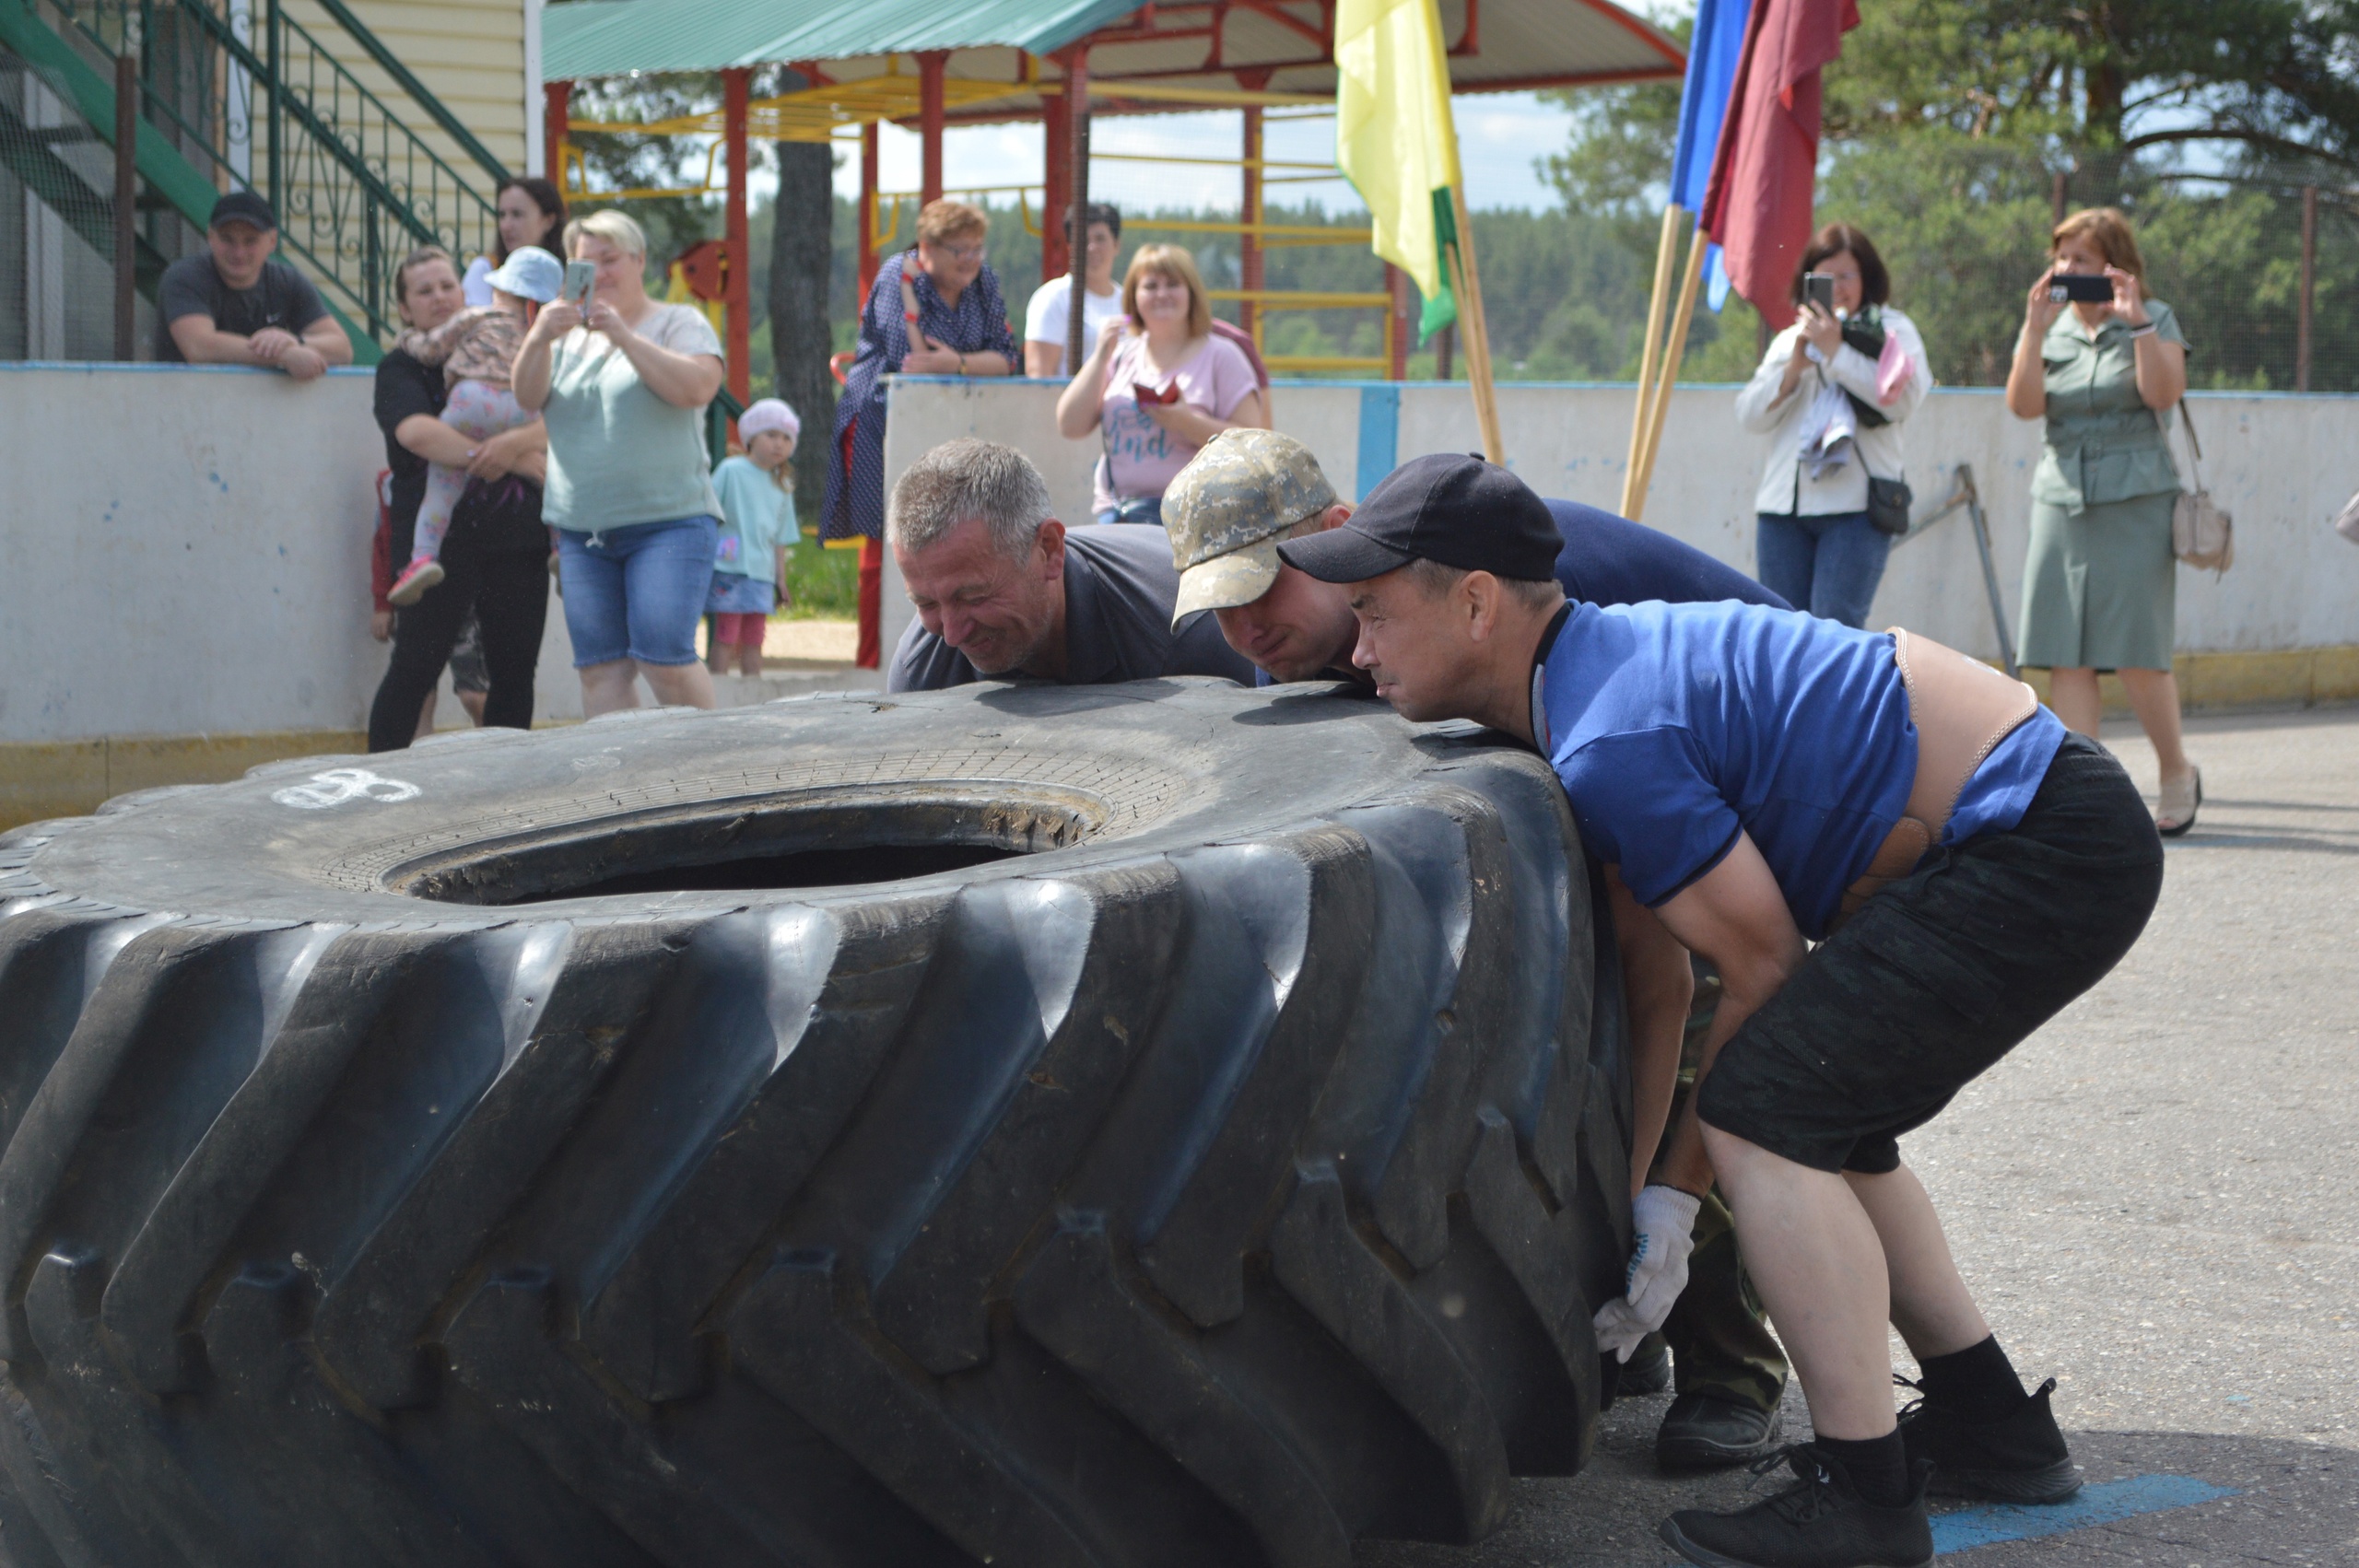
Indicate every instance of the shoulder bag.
{"type": "Point", "coordinates": [2203, 533]}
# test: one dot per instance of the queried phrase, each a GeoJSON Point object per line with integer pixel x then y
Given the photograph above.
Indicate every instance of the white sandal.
{"type": "Point", "coordinates": [2179, 804]}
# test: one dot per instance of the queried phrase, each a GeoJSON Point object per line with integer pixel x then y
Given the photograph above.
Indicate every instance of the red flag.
{"type": "Point", "coordinates": [1759, 204]}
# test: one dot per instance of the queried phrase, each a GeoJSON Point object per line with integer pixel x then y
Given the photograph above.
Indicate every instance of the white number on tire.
{"type": "Point", "coordinates": [338, 785]}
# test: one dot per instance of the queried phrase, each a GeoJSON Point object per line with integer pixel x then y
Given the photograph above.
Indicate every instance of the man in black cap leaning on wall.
{"type": "Point", "coordinates": [1226, 512]}
{"type": "Point", "coordinates": [237, 304]}
{"type": "Point", "coordinates": [1756, 778]}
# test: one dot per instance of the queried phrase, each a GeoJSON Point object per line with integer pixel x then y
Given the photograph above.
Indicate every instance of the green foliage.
{"type": "Point", "coordinates": [824, 583]}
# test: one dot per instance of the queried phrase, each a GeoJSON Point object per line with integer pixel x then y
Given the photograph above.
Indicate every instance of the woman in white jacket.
{"type": "Point", "coordinates": [1833, 410]}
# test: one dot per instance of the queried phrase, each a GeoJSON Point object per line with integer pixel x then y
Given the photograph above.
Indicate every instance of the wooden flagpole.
{"type": "Point", "coordinates": [1674, 350]}
{"type": "Point", "coordinates": [1468, 284]}
{"type": "Point", "coordinates": [1666, 252]}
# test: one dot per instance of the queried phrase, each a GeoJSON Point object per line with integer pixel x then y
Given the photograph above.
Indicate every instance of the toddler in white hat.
{"type": "Point", "coordinates": [475, 349]}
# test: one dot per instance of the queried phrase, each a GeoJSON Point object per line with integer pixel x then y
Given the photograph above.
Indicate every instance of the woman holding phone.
{"type": "Point", "coordinates": [1159, 384]}
{"type": "Point", "coordinates": [622, 382]}
{"type": "Point", "coordinates": [2104, 366]}
{"type": "Point", "coordinates": [1831, 393]}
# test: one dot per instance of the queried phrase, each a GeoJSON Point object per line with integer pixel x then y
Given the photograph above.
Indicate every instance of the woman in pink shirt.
{"type": "Point", "coordinates": [1158, 387]}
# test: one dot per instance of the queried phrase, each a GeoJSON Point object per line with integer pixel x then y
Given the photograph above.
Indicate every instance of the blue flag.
{"type": "Point", "coordinates": [1712, 56]}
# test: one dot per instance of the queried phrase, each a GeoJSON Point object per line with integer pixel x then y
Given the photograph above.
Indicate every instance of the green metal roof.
{"type": "Point", "coordinates": [1497, 45]}
{"type": "Point", "coordinates": [613, 37]}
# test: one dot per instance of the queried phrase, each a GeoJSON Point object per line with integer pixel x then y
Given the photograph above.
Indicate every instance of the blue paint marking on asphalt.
{"type": "Point", "coordinates": [2098, 1505]}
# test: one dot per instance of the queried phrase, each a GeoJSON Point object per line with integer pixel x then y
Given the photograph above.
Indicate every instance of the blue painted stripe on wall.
{"type": "Point", "coordinates": [1379, 433]}
{"type": "Point", "coordinates": [2098, 1505]}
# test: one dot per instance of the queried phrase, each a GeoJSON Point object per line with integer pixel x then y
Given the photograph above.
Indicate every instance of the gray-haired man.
{"type": "Point", "coordinates": [1003, 593]}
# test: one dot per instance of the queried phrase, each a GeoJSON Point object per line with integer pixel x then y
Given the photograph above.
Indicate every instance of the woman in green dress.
{"type": "Point", "coordinates": [2100, 585]}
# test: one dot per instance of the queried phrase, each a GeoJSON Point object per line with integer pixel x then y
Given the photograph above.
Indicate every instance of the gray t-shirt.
{"type": "Point", "coordinates": [1120, 588]}
{"type": "Point", "coordinates": [281, 298]}
{"type": "Point", "coordinates": [618, 454]}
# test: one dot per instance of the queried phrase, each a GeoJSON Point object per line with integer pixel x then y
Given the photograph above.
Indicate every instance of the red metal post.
{"type": "Point", "coordinates": [930, 67]}
{"type": "Point", "coordinates": [1399, 326]}
{"type": "Point", "coordinates": [867, 219]}
{"type": "Point", "coordinates": [553, 99]}
{"type": "Point", "coordinates": [734, 84]}
{"type": "Point", "coordinates": [1077, 199]}
{"type": "Point", "coordinates": [2309, 284]}
{"type": "Point", "coordinates": [1056, 194]}
{"type": "Point", "coordinates": [1250, 270]}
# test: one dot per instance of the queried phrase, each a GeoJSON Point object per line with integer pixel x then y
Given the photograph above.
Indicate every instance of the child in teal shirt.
{"type": "Point", "coordinates": [756, 524]}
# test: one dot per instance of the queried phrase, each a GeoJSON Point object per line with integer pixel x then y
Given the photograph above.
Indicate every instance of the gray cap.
{"type": "Point", "coordinates": [1227, 509]}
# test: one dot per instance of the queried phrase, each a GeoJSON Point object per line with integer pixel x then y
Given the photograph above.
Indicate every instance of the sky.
{"type": "Point", "coordinates": [1500, 138]}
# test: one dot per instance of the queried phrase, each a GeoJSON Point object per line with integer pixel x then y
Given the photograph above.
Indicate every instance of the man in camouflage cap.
{"type": "Point", "coordinates": [1245, 491]}
{"type": "Point", "coordinates": [1226, 512]}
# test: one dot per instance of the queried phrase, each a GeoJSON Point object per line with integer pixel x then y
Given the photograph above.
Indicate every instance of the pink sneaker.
{"type": "Point", "coordinates": [411, 586]}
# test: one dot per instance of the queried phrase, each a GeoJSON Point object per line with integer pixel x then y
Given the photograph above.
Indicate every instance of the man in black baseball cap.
{"type": "Point", "coordinates": [237, 304]}
{"type": "Point", "coordinates": [1754, 779]}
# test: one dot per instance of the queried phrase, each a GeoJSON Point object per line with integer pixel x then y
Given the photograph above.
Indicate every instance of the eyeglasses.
{"type": "Point", "coordinates": [962, 252]}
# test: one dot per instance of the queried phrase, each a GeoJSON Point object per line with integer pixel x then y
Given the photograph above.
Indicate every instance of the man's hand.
{"type": "Point", "coordinates": [270, 346]}
{"type": "Point", "coordinates": [1664, 1218]}
{"type": "Point", "coordinates": [381, 625]}
{"type": "Point", "coordinates": [303, 362]}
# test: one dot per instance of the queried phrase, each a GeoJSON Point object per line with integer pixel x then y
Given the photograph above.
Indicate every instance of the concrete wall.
{"type": "Point", "coordinates": [2283, 465]}
{"type": "Point", "coordinates": [184, 550]}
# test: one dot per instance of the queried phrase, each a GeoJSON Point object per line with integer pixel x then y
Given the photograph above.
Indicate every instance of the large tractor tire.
{"type": "Point", "coordinates": [1159, 1125]}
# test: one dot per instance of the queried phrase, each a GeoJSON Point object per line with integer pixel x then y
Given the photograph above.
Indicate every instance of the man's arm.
{"type": "Point", "coordinates": [202, 342]}
{"type": "Point", "coordinates": [326, 339]}
{"type": "Point", "coordinates": [1734, 915]}
{"type": "Point", "coordinates": [1658, 983]}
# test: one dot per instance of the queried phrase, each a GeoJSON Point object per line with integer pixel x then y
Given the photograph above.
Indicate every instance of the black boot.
{"type": "Point", "coordinates": [1706, 1431]}
{"type": "Point", "coordinates": [2019, 1457]}
{"type": "Point", "coordinates": [1820, 1521]}
{"type": "Point", "coordinates": [1647, 1371]}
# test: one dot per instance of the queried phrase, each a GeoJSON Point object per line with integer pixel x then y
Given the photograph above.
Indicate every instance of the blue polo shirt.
{"type": "Point", "coordinates": [1676, 727]}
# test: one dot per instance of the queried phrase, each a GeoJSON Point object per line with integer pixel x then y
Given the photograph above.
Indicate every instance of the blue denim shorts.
{"type": "Point", "coordinates": [637, 592]}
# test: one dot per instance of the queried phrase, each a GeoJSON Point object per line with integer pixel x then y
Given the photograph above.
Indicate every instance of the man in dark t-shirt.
{"type": "Point", "coordinates": [1003, 593]}
{"type": "Point", "coordinates": [237, 304]}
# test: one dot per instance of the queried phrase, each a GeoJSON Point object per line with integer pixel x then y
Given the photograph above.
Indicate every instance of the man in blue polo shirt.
{"type": "Point", "coordinates": [1759, 779]}
{"type": "Point", "coordinates": [1226, 512]}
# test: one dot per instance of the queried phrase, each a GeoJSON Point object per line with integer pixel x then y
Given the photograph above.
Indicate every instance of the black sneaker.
{"type": "Point", "coordinates": [1647, 1371]}
{"type": "Point", "coordinates": [2020, 1457]}
{"type": "Point", "coordinates": [1819, 1521]}
{"type": "Point", "coordinates": [1706, 1432]}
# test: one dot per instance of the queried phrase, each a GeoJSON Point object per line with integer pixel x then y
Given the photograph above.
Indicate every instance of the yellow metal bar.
{"type": "Point", "coordinates": [1216, 162]}
{"type": "Point", "coordinates": [1308, 233]}
{"type": "Point", "coordinates": [1301, 298]}
{"type": "Point", "coordinates": [1219, 98]}
{"type": "Point", "coordinates": [1322, 362]}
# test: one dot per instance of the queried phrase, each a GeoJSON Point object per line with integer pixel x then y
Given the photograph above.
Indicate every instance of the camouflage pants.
{"type": "Point", "coordinates": [1719, 1336]}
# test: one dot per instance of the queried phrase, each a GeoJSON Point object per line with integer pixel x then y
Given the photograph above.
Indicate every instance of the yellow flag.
{"type": "Point", "coordinates": [1394, 140]}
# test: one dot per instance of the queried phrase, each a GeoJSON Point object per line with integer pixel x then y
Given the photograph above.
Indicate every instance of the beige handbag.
{"type": "Point", "coordinates": [2203, 533]}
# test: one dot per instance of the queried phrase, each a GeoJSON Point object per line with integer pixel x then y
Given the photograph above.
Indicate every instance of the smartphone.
{"type": "Point", "coordinates": [578, 277]}
{"type": "Point", "coordinates": [2088, 288]}
{"type": "Point", "coordinates": [1818, 288]}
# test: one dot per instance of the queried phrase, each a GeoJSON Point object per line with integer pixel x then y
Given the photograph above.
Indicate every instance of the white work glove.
{"type": "Point", "coordinates": [1664, 1218]}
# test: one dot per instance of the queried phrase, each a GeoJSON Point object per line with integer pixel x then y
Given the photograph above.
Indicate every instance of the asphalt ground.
{"type": "Point", "coordinates": [2156, 1201]}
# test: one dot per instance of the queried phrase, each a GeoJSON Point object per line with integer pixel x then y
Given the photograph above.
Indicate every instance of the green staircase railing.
{"type": "Point", "coordinates": [251, 97]}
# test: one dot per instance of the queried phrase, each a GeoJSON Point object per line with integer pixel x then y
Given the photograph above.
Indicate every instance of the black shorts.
{"type": "Point", "coordinates": [1941, 974]}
